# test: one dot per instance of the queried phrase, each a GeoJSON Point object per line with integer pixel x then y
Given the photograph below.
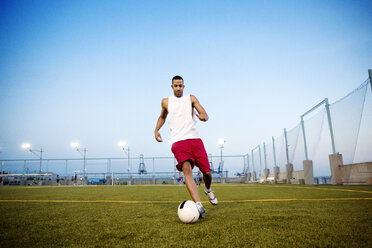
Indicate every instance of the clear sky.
{"type": "Point", "coordinates": [96, 71]}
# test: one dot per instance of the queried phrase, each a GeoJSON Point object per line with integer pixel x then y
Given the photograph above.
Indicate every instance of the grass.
{"type": "Point", "coordinates": [146, 216]}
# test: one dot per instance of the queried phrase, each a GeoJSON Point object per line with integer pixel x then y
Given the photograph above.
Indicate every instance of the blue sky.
{"type": "Point", "coordinates": [96, 71]}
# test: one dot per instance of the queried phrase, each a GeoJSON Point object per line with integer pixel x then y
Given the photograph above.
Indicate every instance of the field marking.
{"type": "Point", "coordinates": [302, 199]}
{"type": "Point", "coordinates": [152, 202]}
{"type": "Point", "coordinates": [96, 201]}
{"type": "Point", "coordinates": [298, 187]}
{"type": "Point", "coordinates": [347, 190]}
{"type": "Point", "coordinates": [214, 185]}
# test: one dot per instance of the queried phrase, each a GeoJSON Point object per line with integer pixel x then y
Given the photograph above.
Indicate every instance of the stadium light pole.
{"type": "Point", "coordinates": [77, 146]}
{"type": "Point", "coordinates": [27, 146]}
{"type": "Point", "coordinates": [126, 149]}
{"type": "Point", "coordinates": [221, 142]}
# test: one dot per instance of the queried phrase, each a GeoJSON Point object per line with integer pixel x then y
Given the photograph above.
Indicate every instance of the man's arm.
{"type": "Point", "coordinates": [202, 115]}
{"type": "Point", "coordinates": [161, 119]}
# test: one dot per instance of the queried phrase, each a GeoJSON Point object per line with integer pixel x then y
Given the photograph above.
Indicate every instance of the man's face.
{"type": "Point", "coordinates": [177, 86]}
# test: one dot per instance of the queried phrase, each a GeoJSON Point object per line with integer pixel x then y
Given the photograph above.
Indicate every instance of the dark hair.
{"type": "Point", "coordinates": [177, 78]}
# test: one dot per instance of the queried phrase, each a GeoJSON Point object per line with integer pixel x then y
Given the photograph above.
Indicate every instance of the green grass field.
{"type": "Point", "coordinates": [146, 216]}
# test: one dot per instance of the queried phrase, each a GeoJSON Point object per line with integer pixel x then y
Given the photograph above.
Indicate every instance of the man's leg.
{"type": "Point", "coordinates": [190, 183]}
{"type": "Point", "coordinates": [207, 182]}
{"type": "Point", "coordinates": [191, 187]}
{"type": "Point", "coordinates": [207, 179]}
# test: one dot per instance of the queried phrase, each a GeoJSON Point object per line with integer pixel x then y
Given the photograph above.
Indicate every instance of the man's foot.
{"type": "Point", "coordinates": [201, 209]}
{"type": "Point", "coordinates": [212, 198]}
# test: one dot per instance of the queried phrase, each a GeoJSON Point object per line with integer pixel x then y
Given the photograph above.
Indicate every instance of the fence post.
{"type": "Point", "coordinates": [110, 178]}
{"type": "Point", "coordinates": [253, 170]}
{"type": "Point", "coordinates": [276, 174]}
{"type": "Point", "coordinates": [266, 170]}
{"type": "Point", "coordinates": [288, 166]}
{"type": "Point", "coordinates": [307, 164]}
{"type": "Point", "coordinates": [335, 159]}
{"type": "Point", "coordinates": [248, 169]}
{"type": "Point", "coordinates": [47, 170]}
{"type": "Point", "coordinates": [286, 145]}
{"type": "Point", "coordinates": [308, 171]}
{"type": "Point", "coordinates": [303, 133]}
{"type": "Point", "coordinates": [259, 154]}
{"type": "Point", "coordinates": [330, 126]}
{"type": "Point", "coordinates": [336, 164]}
{"type": "Point", "coordinates": [274, 150]}
{"type": "Point", "coordinates": [276, 169]}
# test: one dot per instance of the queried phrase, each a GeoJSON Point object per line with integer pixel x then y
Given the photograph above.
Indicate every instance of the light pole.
{"type": "Point", "coordinates": [221, 142]}
{"type": "Point", "coordinates": [27, 146]}
{"type": "Point", "coordinates": [77, 146]}
{"type": "Point", "coordinates": [126, 149]}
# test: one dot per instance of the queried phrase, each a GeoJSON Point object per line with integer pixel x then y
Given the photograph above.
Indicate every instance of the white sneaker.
{"type": "Point", "coordinates": [212, 198]}
{"type": "Point", "coordinates": [201, 209]}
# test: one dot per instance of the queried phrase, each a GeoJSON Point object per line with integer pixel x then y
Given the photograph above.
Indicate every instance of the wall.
{"type": "Point", "coordinates": [360, 173]}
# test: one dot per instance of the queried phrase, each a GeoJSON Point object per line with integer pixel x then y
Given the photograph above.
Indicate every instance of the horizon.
{"type": "Point", "coordinates": [95, 73]}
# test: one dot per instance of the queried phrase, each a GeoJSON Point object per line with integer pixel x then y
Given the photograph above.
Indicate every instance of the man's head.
{"type": "Point", "coordinates": [177, 86]}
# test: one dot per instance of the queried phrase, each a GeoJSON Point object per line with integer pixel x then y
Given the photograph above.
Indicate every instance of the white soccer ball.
{"type": "Point", "coordinates": [188, 212]}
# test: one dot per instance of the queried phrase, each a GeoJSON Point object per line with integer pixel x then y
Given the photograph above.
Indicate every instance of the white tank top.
{"type": "Point", "coordinates": [181, 119]}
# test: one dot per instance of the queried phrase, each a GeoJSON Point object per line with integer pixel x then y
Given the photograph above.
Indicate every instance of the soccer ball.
{"type": "Point", "coordinates": [188, 212]}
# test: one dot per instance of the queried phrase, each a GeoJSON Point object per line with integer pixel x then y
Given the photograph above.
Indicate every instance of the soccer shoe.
{"type": "Point", "coordinates": [201, 210]}
{"type": "Point", "coordinates": [212, 198]}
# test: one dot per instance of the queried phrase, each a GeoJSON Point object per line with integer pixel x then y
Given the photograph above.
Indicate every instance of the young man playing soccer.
{"type": "Point", "coordinates": [187, 147]}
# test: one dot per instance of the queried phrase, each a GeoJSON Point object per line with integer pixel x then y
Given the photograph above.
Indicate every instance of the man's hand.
{"type": "Point", "coordinates": [202, 116]}
{"type": "Point", "coordinates": [161, 119]}
{"type": "Point", "coordinates": [158, 137]}
{"type": "Point", "coordinates": [200, 111]}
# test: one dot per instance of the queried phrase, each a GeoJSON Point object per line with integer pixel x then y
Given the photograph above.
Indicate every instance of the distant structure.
{"type": "Point", "coordinates": [142, 167]}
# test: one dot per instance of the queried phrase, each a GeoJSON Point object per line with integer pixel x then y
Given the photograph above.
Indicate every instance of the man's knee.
{"type": "Point", "coordinates": [207, 174]}
{"type": "Point", "coordinates": [186, 166]}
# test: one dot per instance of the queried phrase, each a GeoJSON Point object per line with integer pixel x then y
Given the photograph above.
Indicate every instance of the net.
{"type": "Point", "coordinates": [363, 150]}
{"type": "Point", "coordinates": [346, 116]}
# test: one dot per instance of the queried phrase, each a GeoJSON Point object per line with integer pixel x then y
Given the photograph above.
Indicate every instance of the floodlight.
{"type": "Point", "coordinates": [26, 146]}
{"type": "Point", "coordinates": [126, 149]}
{"type": "Point", "coordinates": [221, 142]}
{"type": "Point", "coordinates": [75, 144]}
{"type": "Point", "coordinates": [122, 144]}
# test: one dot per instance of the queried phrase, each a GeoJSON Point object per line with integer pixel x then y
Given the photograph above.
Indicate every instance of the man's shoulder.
{"type": "Point", "coordinates": [193, 98]}
{"type": "Point", "coordinates": [164, 103]}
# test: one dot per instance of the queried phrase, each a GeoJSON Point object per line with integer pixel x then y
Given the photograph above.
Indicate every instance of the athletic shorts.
{"type": "Point", "coordinates": [191, 150]}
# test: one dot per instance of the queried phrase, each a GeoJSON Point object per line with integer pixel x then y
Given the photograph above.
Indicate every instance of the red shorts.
{"type": "Point", "coordinates": [191, 150]}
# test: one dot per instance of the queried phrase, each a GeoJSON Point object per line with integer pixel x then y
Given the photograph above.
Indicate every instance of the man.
{"type": "Point", "coordinates": [187, 147]}
{"type": "Point", "coordinates": [198, 178]}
